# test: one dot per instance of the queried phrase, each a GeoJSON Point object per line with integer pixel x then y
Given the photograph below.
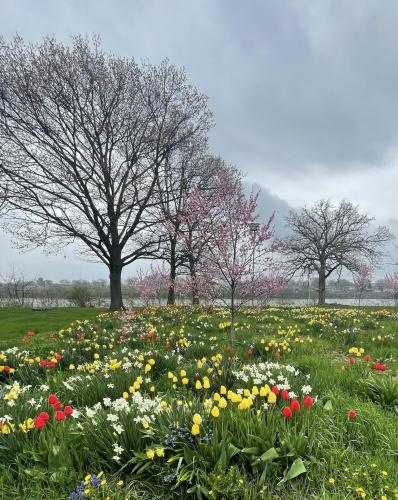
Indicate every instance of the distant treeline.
{"type": "Point", "coordinates": [21, 292]}
{"type": "Point", "coordinates": [339, 289]}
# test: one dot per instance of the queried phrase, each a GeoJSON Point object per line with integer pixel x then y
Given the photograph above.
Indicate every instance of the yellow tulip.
{"type": "Point", "coordinates": [195, 430]}
{"type": "Point", "coordinates": [222, 403]}
{"type": "Point", "coordinates": [215, 411]}
{"type": "Point", "coordinates": [197, 419]}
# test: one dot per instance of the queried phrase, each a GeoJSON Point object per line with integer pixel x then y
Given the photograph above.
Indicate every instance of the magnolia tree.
{"type": "Point", "coordinates": [362, 279]}
{"type": "Point", "coordinates": [391, 282]}
{"type": "Point", "coordinates": [237, 263]}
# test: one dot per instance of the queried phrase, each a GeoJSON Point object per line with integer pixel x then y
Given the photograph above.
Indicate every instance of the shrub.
{"type": "Point", "coordinates": [80, 296]}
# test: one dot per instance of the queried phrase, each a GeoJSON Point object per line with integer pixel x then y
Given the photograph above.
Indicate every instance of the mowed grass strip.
{"type": "Point", "coordinates": [15, 322]}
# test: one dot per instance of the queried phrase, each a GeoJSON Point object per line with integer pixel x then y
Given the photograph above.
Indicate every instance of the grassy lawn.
{"type": "Point", "coordinates": [302, 404]}
{"type": "Point", "coordinates": [15, 322]}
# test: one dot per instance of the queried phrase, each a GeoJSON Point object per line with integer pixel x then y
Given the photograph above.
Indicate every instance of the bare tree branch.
{"type": "Point", "coordinates": [326, 238]}
{"type": "Point", "coordinates": [84, 138]}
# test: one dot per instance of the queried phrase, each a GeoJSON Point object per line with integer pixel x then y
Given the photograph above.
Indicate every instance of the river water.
{"type": "Point", "coordinates": [38, 303]}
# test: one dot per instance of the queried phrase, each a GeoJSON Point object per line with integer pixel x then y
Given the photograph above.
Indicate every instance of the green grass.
{"type": "Point", "coordinates": [15, 322]}
{"type": "Point", "coordinates": [355, 455]}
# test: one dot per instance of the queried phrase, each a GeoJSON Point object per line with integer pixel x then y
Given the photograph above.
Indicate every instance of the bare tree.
{"type": "Point", "coordinates": [84, 138]}
{"type": "Point", "coordinates": [326, 238]}
{"type": "Point", "coordinates": [3, 193]}
{"type": "Point", "coordinates": [16, 288]}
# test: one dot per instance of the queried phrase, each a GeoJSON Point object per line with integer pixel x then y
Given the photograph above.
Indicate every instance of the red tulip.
{"type": "Point", "coordinates": [167, 344]}
{"type": "Point", "coordinates": [275, 390]}
{"type": "Point", "coordinates": [277, 354]}
{"type": "Point", "coordinates": [44, 416]}
{"type": "Point", "coordinates": [295, 405]}
{"type": "Point", "coordinates": [57, 405]}
{"type": "Point", "coordinates": [52, 399]}
{"type": "Point", "coordinates": [351, 361]}
{"type": "Point", "coordinates": [51, 364]}
{"type": "Point", "coordinates": [39, 423]}
{"type": "Point", "coordinates": [352, 414]}
{"type": "Point", "coordinates": [43, 362]}
{"type": "Point", "coordinates": [285, 395]}
{"type": "Point", "coordinates": [6, 369]}
{"type": "Point", "coordinates": [68, 410]}
{"type": "Point", "coordinates": [379, 366]}
{"type": "Point", "coordinates": [287, 412]}
{"type": "Point", "coordinates": [229, 348]}
{"type": "Point", "coordinates": [308, 401]}
{"type": "Point", "coordinates": [60, 415]}
{"type": "Point", "coordinates": [367, 357]}
{"type": "Point", "coordinates": [58, 357]}
{"type": "Point", "coordinates": [249, 352]}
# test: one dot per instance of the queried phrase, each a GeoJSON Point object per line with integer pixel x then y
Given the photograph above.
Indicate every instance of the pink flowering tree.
{"type": "Point", "coordinates": [362, 279]}
{"type": "Point", "coordinates": [195, 242]}
{"type": "Point", "coordinates": [391, 282]}
{"type": "Point", "coordinates": [237, 263]}
{"type": "Point", "coordinates": [192, 289]}
{"type": "Point", "coordinates": [150, 284]}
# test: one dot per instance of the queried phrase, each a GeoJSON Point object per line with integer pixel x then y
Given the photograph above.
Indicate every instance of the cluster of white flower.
{"type": "Point", "coordinates": [118, 450]}
{"type": "Point", "coordinates": [272, 373]}
{"type": "Point", "coordinates": [145, 410]}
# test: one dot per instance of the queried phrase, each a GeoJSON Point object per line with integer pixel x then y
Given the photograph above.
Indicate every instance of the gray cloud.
{"type": "Point", "coordinates": [291, 84]}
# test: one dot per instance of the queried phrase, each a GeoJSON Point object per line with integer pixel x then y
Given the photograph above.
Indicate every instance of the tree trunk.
{"type": "Point", "coordinates": [115, 280]}
{"type": "Point", "coordinates": [322, 286]}
{"type": "Point", "coordinates": [232, 331]}
{"type": "Point", "coordinates": [195, 295]}
{"type": "Point", "coordinates": [171, 296]}
{"type": "Point", "coordinates": [195, 292]}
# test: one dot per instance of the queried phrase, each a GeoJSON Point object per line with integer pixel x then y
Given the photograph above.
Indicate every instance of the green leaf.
{"type": "Point", "coordinates": [222, 461]}
{"type": "Point", "coordinates": [270, 454]}
{"type": "Point", "coordinates": [250, 451]}
{"type": "Point", "coordinates": [188, 454]}
{"type": "Point", "coordinates": [198, 489]}
{"type": "Point", "coordinates": [328, 406]}
{"type": "Point", "coordinates": [295, 470]}
{"type": "Point", "coordinates": [232, 450]}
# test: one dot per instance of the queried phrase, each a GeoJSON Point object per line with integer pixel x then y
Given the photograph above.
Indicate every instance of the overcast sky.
{"type": "Point", "coordinates": [304, 94]}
